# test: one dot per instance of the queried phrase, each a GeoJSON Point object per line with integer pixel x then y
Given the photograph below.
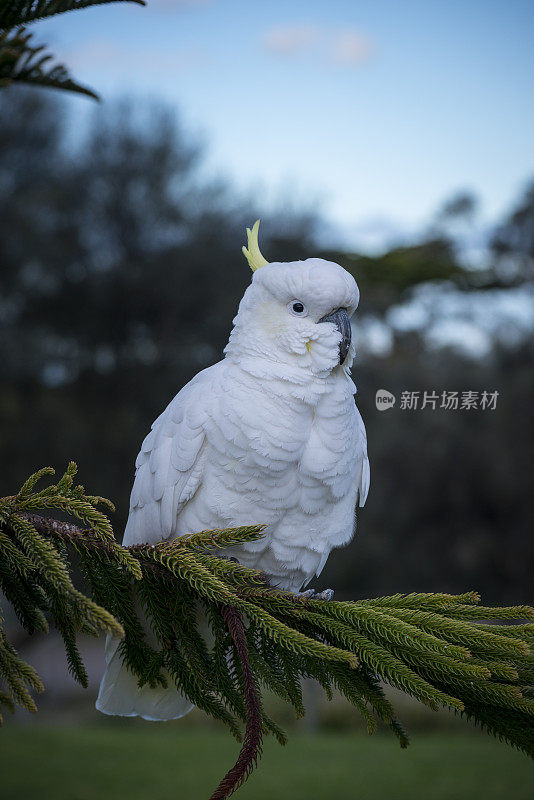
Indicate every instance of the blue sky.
{"type": "Point", "coordinates": [378, 110]}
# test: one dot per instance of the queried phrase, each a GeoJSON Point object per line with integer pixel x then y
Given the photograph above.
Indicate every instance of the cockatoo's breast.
{"type": "Point", "coordinates": [293, 464]}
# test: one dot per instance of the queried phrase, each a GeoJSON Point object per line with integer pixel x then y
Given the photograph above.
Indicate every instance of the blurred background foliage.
{"type": "Point", "coordinates": [121, 272]}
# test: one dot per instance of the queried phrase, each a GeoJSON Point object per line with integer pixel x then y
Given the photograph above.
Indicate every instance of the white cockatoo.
{"type": "Point", "coordinates": [271, 434]}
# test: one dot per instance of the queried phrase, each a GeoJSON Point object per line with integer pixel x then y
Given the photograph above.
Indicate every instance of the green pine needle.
{"type": "Point", "coordinates": [23, 62]}
{"type": "Point", "coordinates": [443, 649]}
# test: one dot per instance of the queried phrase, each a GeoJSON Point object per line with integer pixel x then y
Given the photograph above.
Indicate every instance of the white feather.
{"type": "Point", "coordinates": [269, 435]}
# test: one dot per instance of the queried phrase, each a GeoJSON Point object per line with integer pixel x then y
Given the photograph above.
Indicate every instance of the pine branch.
{"type": "Point", "coordinates": [445, 650]}
{"type": "Point", "coordinates": [21, 62]}
{"type": "Point", "coordinates": [251, 750]}
{"type": "Point", "coordinates": [14, 13]}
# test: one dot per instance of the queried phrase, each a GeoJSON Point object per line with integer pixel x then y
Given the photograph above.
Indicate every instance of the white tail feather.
{"type": "Point", "coordinates": [120, 694]}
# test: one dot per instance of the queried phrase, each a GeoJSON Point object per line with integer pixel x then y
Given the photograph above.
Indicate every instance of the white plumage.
{"type": "Point", "coordinates": [270, 434]}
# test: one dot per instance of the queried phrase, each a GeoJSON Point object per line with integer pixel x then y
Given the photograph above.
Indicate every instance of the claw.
{"type": "Point", "coordinates": [307, 595]}
{"type": "Point", "coordinates": [326, 594]}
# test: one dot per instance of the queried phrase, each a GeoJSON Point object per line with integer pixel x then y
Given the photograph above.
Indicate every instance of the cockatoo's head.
{"type": "Point", "coordinates": [296, 312]}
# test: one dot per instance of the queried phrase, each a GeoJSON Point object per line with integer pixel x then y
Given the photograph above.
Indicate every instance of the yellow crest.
{"type": "Point", "coordinates": [252, 251]}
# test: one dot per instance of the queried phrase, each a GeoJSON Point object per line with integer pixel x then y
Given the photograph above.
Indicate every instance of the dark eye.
{"type": "Point", "coordinates": [297, 308]}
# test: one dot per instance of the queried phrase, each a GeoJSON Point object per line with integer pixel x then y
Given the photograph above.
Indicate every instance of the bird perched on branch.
{"type": "Point", "coordinates": [270, 434]}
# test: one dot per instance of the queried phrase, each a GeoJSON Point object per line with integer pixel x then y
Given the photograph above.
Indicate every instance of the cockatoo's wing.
{"type": "Point", "coordinates": [169, 471]}
{"type": "Point", "coordinates": [363, 460]}
{"type": "Point", "coordinates": [170, 465]}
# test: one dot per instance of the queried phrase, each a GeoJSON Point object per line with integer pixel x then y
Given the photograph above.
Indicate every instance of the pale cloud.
{"type": "Point", "coordinates": [290, 39]}
{"type": "Point", "coordinates": [174, 5]}
{"type": "Point", "coordinates": [106, 54]}
{"type": "Point", "coordinates": [351, 47]}
{"type": "Point", "coordinates": [345, 47]}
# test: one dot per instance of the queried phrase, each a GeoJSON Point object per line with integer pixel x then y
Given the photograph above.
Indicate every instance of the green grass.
{"type": "Point", "coordinates": [159, 763]}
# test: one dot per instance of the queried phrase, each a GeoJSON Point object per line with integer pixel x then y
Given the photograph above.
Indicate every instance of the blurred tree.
{"type": "Point", "coordinates": [461, 206]}
{"type": "Point", "coordinates": [386, 279]}
{"type": "Point", "coordinates": [513, 242]}
{"type": "Point", "coordinates": [455, 218]}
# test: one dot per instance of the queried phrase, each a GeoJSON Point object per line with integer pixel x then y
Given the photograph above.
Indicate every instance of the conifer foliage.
{"type": "Point", "coordinates": [444, 650]}
{"type": "Point", "coordinates": [22, 61]}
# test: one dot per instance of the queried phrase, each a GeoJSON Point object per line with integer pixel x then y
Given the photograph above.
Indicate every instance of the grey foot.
{"type": "Point", "coordinates": [311, 594]}
{"type": "Point", "coordinates": [307, 595]}
{"type": "Point", "coordinates": [326, 594]}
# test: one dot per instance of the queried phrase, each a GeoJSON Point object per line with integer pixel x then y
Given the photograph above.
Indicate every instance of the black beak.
{"type": "Point", "coordinates": [341, 320]}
